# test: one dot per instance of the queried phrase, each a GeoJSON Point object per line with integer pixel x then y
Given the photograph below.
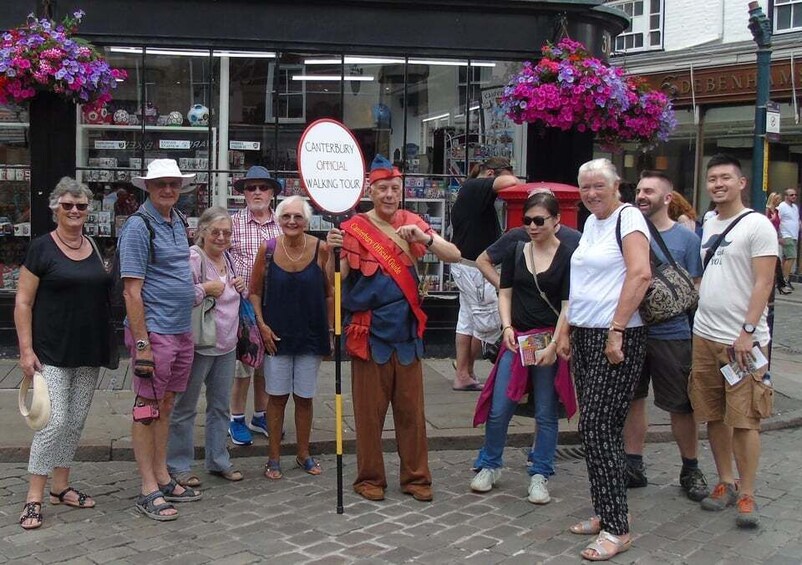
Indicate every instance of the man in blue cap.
{"type": "Point", "coordinates": [251, 226]}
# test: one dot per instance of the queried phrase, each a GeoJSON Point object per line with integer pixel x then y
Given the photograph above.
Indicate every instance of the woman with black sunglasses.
{"type": "Point", "coordinates": [62, 319]}
{"type": "Point", "coordinates": [533, 288]}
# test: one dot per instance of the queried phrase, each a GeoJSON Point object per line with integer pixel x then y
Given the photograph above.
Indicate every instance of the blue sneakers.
{"type": "Point", "coordinates": [239, 432]}
{"type": "Point", "coordinates": [259, 425]}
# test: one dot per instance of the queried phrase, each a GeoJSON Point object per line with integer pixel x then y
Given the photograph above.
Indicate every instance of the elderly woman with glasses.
{"type": "Point", "coordinates": [213, 275]}
{"type": "Point", "coordinates": [62, 319]}
{"type": "Point", "coordinates": [292, 298]}
{"type": "Point", "coordinates": [610, 274]}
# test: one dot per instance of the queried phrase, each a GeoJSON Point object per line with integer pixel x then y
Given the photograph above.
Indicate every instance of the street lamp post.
{"type": "Point", "coordinates": [760, 26]}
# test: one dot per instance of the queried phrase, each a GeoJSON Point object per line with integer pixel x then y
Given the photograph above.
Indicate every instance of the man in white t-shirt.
{"type": "Point", "coordinates": [789, 231]}
{"type": "Point", "coordinates": [736, 283]}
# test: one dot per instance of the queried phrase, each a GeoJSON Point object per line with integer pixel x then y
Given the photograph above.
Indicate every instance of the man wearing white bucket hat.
{"type": "Point", "coordinates": [158, 292]}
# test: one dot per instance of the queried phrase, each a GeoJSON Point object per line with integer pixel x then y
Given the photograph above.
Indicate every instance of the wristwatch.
{"type": "Point", "coordinates": [749, 328]}
{"type": "Point", "coordinates": [430, 242]}
{"type": "Point", "coordinates": [141, 344]}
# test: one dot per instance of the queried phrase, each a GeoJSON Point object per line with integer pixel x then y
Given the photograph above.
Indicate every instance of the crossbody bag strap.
{"type": "Point", "coordinates": [270, 249]}
{"type": "Point", "coordinates": [712, 249]}
{"type": "Point", "coordinates": [203, 263]}
{"type": "Point", "coordinates": [534, 276]}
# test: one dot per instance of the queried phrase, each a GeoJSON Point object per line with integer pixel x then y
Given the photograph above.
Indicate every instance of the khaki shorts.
{"type": "Point", "coordinates": [713, 398]}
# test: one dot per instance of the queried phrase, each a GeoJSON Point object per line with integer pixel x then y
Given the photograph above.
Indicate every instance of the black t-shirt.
{"type": "Point", "coordinates": [474, 219]}
{"type": "Point", "coordinates": [506, 243]}
{"type": "Point", "coordinates": [71, 311]}
{"type": "Point", "coordinates": [529, 310]}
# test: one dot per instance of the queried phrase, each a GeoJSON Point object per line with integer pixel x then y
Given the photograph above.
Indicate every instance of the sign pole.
{"type": "Point", "coordinates": [332, 171]}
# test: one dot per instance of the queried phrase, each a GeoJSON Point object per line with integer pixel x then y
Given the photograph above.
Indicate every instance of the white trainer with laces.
{"type": "Point", "coordinates": [485, 479]}
{"type": "Point", "coordinates": [538, 492]}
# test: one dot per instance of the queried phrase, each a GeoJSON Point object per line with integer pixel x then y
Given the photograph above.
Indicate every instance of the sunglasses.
{"type": "Point", "coordinates": [255, 187]}
{"type": "Point", "coordinates": [70, 205]}
{"type": "Point", "coordinates": [215, 233]}
{"type": "Point", "coordinates": [537, 220]}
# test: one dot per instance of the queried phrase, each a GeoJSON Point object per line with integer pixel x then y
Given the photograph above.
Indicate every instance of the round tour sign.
{"type": "Point", "coordinates": [331, 166]}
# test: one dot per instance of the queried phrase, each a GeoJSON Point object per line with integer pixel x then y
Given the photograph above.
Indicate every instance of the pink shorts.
{"type": "Point", "coordinates": [172, 355]}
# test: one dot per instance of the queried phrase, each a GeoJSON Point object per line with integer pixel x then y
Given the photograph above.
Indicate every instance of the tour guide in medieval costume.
{"type": "Point", "coordinates": [384, 330]}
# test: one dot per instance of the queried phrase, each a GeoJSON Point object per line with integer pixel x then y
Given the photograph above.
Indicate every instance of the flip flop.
{"type": "Point", "coordinates": [473, 387]}
{"type": "Point", "coordinates": [309, 465]}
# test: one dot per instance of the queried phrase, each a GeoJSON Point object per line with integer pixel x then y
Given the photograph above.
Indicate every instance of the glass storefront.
{"type": "Point", "coordinates": [219, 112]}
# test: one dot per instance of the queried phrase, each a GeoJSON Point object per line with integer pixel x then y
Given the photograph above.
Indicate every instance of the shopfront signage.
{"type": "Point", "coordinates": [734, 83]}
{"type": "Point", "coordinates": [106, 144]}
{"type": "Point", "coordinates": [331, 166]}
{"type": "Point", "coordinates": [175, 144]}
{"type": "Point", "coordinates": [245, 145]}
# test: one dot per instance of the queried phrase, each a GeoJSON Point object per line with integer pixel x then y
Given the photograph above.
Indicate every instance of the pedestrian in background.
{"type": "Point", "coordinates": [607, 345]}
{"type": "Point", "coordinates": [62, 320]}
{"type": "Point", "coordinates": [790, 223]}
{"type": "Point", "coordinates": [475, 225]}
{"type": "Point", "coordinates": [212, 275]}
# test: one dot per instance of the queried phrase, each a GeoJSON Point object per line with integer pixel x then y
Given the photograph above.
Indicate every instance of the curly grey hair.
{"type": "Point", "coordinates": [306, 209]}
{"type": "Point", "coordinates": [210, 216]}
{"type": "Point", "coordinates": [68, 185]}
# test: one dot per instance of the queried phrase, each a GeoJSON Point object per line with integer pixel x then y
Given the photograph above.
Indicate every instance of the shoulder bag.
{"type": "Point", "coordinates": [671, 291]}
{"type": "Point", "coordinates": [111, 333]}
{"type": "Point", "coordinates": [204, 328]}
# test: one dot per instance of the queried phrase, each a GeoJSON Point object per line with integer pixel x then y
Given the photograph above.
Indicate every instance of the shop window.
{"type": "Point", "coordinates": [645, 28]}
{"type": "Point", "coordinates": [288, 101]}
{"type": "Point", "coordinates": [15, 191]}
{"type": "Point", "coordinates": [787, 15]}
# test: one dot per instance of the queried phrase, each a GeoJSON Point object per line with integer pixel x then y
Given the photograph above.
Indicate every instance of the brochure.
{"type": "Point", "coordinates": [531, 347]}
{"type": "Point", "coordinates": [733, 372]}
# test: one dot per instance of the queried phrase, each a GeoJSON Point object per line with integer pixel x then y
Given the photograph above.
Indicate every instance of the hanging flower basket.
{"type": "Point", "coordinates": [569, 89]}
{"type": "Point", "coordinates": [41, 56]}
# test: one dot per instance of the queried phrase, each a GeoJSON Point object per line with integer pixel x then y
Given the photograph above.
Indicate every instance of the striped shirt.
{"type": "Point", "coordinates": [167, 290]}
{"type": "Point", "coordinates": [246, 236]}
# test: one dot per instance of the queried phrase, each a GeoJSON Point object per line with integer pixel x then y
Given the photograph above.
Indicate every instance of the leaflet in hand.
{"type": "Point", "coordinates": [531, 347]}
{"type": "Point", "coordinates": [733, 372]}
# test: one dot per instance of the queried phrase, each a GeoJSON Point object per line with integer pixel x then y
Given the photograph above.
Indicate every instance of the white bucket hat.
{"type": "Point", "coordinates": [165, 168]}
{"type": "Point", "coordinates": [38, 415]}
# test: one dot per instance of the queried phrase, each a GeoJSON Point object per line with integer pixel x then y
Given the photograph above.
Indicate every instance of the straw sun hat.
{"type": "Point", "coordinates": [38, 415]}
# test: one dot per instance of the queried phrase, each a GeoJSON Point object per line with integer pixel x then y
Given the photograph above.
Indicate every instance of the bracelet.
{"type": "Point", "coordinates": [614, 329]}
{"type": "Point", "coordinates": [430, 242]}
{"type": "Point", "coordinates": [505, 328]}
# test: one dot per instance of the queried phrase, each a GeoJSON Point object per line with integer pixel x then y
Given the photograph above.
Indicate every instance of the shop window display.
{"type": "Point", "coordinates": [15, 181]}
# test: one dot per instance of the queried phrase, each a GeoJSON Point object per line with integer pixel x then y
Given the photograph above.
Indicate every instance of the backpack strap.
{"type": "Point", "coordinates": [151, 233]}
{"type": "Point", "coordinates": [711, 251]}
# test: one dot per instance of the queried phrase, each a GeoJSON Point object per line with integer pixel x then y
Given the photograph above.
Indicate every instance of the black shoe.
{"type": "Point", "coordinates": [694, 484]}
{"type": "Point", "coordinates": [789, 285]}
{"type": "Point", "coordinates": [783, 290]}
{"type": "Point", "coordinates": [635, 476]}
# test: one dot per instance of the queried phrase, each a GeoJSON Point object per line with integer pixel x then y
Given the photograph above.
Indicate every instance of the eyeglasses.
{"type": "Point", "coordinates": [215, 233]}
{"type": "Point", "coordinates": [537, 220]}
{"type": "Point", "coordinates": [295, 217]}
{"type": "Point", "coordinates": [82, 206]}
{"type": "Point", "coordinates": [255, 187]}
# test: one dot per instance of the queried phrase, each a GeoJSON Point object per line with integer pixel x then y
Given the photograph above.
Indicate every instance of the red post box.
{"type": "Point", "coordinates": [567, 196]}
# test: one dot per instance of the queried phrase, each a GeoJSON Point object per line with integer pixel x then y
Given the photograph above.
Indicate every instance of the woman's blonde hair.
{"type": "Point", "coordinates": [774, 200]}
{"type": "Point", "coordinates": [679, 206]}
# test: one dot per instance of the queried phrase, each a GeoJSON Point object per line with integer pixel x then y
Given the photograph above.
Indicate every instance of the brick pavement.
{"type": "Point", "coordinates": [293, 520]}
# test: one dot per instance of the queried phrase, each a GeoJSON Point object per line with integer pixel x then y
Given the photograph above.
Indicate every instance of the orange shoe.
{"type": "Point", "coordinates": [747, 512]}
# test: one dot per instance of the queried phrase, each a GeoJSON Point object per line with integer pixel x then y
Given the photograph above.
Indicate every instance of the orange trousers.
{"type": "Point", "coordinates": [374, 387]}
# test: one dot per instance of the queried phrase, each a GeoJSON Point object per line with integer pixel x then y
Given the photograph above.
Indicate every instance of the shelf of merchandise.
{"type": "Point", "coordinates": [15, 234]}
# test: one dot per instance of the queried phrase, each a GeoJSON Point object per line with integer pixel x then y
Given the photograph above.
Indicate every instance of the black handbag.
{"type": "Point", "coordinates": [671, 291]}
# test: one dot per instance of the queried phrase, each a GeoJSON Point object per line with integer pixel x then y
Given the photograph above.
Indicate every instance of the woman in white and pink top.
{"type": "Point", "coordinates": [212, 275]}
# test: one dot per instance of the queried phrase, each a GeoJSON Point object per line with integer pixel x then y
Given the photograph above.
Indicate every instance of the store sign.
{"type": "Point", "coordinates": [773, 121]}
{"type": "Point", "coordinates": [734, 83]}
{"type": "Point", "coordinates": [175, 144]}
{"type": "Point", "coordinates": [245, 145]}
{"type": "Point", "coordinates": [106, 144]}
{"type": "Point", "coordinates": [331, 166]}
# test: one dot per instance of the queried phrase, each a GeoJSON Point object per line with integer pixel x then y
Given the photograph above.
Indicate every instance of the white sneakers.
{"type": "Point", "coordinates": [485, 479]}
{"type": "Point", "coordinates": [538, 493]}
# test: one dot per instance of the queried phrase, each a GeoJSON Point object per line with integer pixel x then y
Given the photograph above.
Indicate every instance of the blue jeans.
{"type": "Point", "coordinates": [217, 372]}
{"type": "Point", "coordinates": [502, 410]}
